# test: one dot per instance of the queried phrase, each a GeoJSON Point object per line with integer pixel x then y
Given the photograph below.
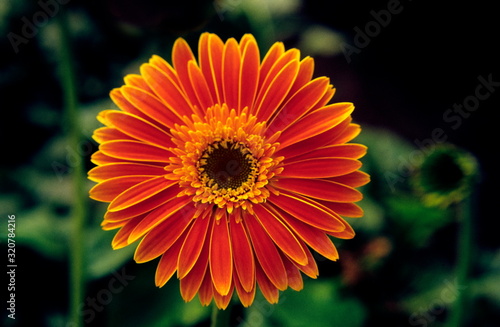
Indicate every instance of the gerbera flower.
{"type": "Point", "coordinates": [228, 168]}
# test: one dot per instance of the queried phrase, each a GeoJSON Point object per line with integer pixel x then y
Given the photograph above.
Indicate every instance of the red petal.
{"type": "Point", "coordinates": [171, 205]}
{"type": "Point", "coordinates": [193, 245]}
{"type": "Point", "coordinates": [210, 58]}
{"type": "Point", "coordinates": [120, 239]}
{"type": "Point", "coordinates": [352, 151]}
{"type": "Point", "coordinates": [314, 237]}
{"type": "Point", "coordinates": [266, 252]}
{"type": "Point", "coordinates": [105, 134]}
{"type": "Point", "coordinates": [191, 283]}
{"type": "Point", "coordinates": [249, 78]}
{"type": "Point", "coordinates": [181, 57]}
{"type": "Point", "coordinates": [206, 291]}
{"type": "Point", "coordinates": [108, 190]}
{"type": "Point", "coordinates": [314, 142]}
{"type": "Point", "coordinates": [320, 189]}
{"type": "Point", "coordinates": [168, 264]}
{"type": "Point", "coordinates": [167, 90]}
{"type": "Point", "coordinates": [280, 234]}
{"type": "Point", "coordinates": [306, 211]}
{"type": "Point", "coordinates": [231, 59]}
{"type": "Point", "coordinates": [246, 297]}
{"type": "Point", "coordinates": [344, 209]}
{"type": "Point", "coordinates": [293, 275]}
{"type": "Point", "coordinates": [162, 237]}
{"type": "Point", "coordinates": [243, 255]}
{"type": "Point", "coordinates": [298, 105]}
{"type": "Point", "coordinates": [221, 256]}
{"type": "Point", "coordinates": [354, 179]}
{"type": "Point", "coordinates": [271, 96]}
{"type": "Point", "coordinates": [140, 192]}
{"type": "Point", "coordinates": [107, 171]}
{"type": "Point", "coordinates": [268, 289]}
{"type": "Point", "coordinates": [200, 86]}
{"type": "Point", "coordinates": [316, 123]}
{"type": "Point", "coordinates": [138, 81]}
{"type": "Point", "coordinates": [145, 206]}
{"type": "Point", "coordinates": [222, 301]}
{"type": "Point", "coordinates": [151, 106]}
{"type": "Point", "coordinates": [320, 168]}
{"type": "Point", "coordinates": [135, 151]}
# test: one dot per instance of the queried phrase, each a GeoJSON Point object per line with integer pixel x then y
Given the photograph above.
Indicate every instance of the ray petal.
{"type": "Point", "coordinates": [193, 245]}
{"type": "Point", "coordinates": [107, 190]}
{"type": "Point", "coordinates": [221, 256]}
{"type": "Point", "coordinates": [135, 151]}
{"type": "Point", "coordinates": [320, 189]}
{"type": "Point", "coordinates": [243, 255]}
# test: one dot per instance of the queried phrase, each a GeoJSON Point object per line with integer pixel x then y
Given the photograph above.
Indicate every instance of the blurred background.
{"type": "Point", "coordinates": [419, 73]}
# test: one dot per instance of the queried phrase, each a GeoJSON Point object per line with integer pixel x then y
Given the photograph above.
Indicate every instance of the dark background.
{"type": "Point", "coordinates": [427, 58]}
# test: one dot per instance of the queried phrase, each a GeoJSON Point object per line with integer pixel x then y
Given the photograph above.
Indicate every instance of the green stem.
{"type": "Point", "coordinates": [220, 318]}
{"type": "Point", "coordinates": [464, 259]}
{"type": "Point", "coordinates": [70, 122]}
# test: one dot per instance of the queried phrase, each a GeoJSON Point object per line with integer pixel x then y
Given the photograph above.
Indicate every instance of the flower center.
{"type": "Point", "coordinates": [227, 164]}
{"type": "Point", "coordinates": [224, 160]}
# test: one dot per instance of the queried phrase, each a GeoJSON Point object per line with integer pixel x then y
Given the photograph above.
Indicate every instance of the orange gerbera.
{"type": "Point", "coordinates": [229, 168]}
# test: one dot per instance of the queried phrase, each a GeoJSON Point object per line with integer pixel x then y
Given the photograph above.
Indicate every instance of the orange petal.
{"type": "Point", "coordinates": [135, 151]}
{"type": "Point", "coordinates": [249, 76]}
{"type": "Point", "coordinates": [312, 236]}
{"type": "Point", "coordinates": [108, 190]}
{"type": "Point", "coordinates": [320, 168]}
{"type": "Point", "coordinates": [140, 192]}
{"type": "Point", "coordinates": [167, 90]}
{"type": "Point", "coordinates": [316, 123]}
{"type": "Point", "coordinates": [266, 252]}
{"type": "Point", "coordinates": [270, 96]}
{"type": "Point", "coordinates": [210, 57]}
{"type": "Point", "coordinates": [231, 59]}
{"type": "Point", "coordinates": [192, 246]}
{"type": "Point", "coordinates": [347, 233]}
{"type": "Point", "coordinates": [139, 129]}
{"type": "Point", "coordinates": [105, 134]}
{"type": "Point", "coordinates": [308, 212]}
{"type": "Point", "coordinates": [200, 86]}
{"type": "Point", "coordinates": [320, 189]}
{"type": "Point", "coordinates": [100, 158]}
{"type": "Point", "coordinates": [304, 75]}
{"type": "Point", "coordinates": [151, 106]}
{"type": "Point", "coordinates": [117, 97]}
{"type": "Point", "coordinates": [120, 239]}
{"type": "Point", "coordinates": [145, 206]}
{"type": "Point", "coordinates": [181, 56]}
{"type": "Point", "coordinates": [311, 269]}
{"type": "Point", "coordinates": [344, 209]}
{"type": "Point", "coordinates": [353, 151]}
{"type": "Point", "coordinates": [206, 291]}
{"type": "Point", "coordinates": [293, 275]}
{"type": "Point", "coordinates": [191, 283]}
{"type": "Point", "coordinates": [315, 142]}
{"type": "Point", "coordinates": [355, 179]}
{"type": "Point", "coordinates": [222, 301]}
{"type": "Point", "coordinates": [168, 264]}
{"type": "Point", "coordinates": [137, 81]}
{"type": "Point", "coordinates": [170, 206]}
{"type": "Point", "coordinates": [298, 105]}
{"type": "Point", "coordinates": [221, 256]}
{"type": "Point", "coordinates": [280, 234]}
{"type": "Point", "coordinates": [107, 171]}
{"type": "Point", "coordinates": [246, 297]}
{"type": "Point", "coordinates": [268, 289]}
{"type": "Point", "coordinates": [243, 255]}
{"type": "Point", "coordinates": [162, 237]}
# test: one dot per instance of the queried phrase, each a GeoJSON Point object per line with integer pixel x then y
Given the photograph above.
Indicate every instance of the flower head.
{"type": "Point", "coordinates": [229, 168]}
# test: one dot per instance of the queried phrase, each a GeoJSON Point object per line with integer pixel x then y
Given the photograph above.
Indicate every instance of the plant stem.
{"type": "Point", "coordinates": [464, 258]}
{"type": "Point", "coordinates": [78, 213]}
{"type": "Point", "coordinates": [220, 318]}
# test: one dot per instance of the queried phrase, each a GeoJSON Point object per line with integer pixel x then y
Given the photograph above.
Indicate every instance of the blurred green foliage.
{"type": "Point", "coordinates": [398, 271]}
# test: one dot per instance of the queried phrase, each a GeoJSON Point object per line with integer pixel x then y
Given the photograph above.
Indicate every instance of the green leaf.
{"type": "Point", "coordinates": [319, 304]}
